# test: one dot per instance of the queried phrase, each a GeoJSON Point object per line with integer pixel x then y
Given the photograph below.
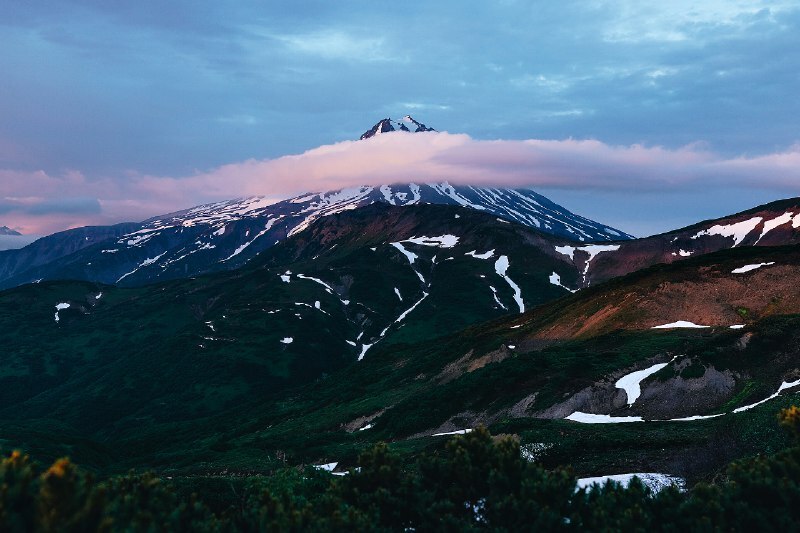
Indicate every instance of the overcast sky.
{"type": "Point", "coordinates": [642, 117]}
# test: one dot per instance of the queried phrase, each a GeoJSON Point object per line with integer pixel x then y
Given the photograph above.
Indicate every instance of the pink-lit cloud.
{"type": "Point", "coordinates": [397, 157]}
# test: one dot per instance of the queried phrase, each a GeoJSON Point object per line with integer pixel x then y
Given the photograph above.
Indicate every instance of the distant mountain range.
{"type": "Point", "coordinates": [225, 235]}
{"type": "Point", "coordinates": [5, 230]}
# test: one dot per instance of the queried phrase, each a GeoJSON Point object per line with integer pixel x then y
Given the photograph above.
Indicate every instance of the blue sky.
{"type": "Point", "coordinates": [105, 102]}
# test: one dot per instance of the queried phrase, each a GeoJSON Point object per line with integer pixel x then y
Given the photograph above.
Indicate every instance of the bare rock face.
{"type": "Point", "coordinates": [383, 126]}
{"type": "Point", "coordinates": [675, 397]}
{"type": "Point", "coordinates": [679, 397]}
{"type": "Point", "coordinates": [601, 398]}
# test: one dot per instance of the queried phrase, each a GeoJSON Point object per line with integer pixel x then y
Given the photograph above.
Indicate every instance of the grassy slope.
{"type": "Point", "coordinates": [140, 373]}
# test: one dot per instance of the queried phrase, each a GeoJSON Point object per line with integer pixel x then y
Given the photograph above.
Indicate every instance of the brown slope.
{"type": "Point", "coordinates": [702, 290]}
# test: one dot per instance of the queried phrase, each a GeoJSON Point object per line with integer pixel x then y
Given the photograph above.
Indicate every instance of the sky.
{"type": "Point", "coordinates": [643, 115]}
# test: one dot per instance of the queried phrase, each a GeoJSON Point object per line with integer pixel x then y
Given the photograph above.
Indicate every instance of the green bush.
{"type": "Point", "coordinates": [478, 482]}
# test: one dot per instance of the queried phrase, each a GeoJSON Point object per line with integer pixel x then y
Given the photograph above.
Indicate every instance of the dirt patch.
{"type": "Point", "coordinates": [466, 363]}
{"type": "Point", "coordinates": [522, 409]}
{"type": "Point", "coordinates": [361, 421]}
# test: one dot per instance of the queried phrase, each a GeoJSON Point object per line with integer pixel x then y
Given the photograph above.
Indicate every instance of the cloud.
{"type": "Point", "coordinates": [578, 165]}
{"type": "Point", "coordinates": [336, 44]}
{"type": "Point", "coordinates": [436, 156]}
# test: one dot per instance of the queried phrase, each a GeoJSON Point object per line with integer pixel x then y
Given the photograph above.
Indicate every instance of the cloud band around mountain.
{"type": "Point", "coordinates": [395, 157]}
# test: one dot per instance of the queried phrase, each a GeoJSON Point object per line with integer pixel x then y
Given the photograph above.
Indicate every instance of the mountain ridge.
{"type": "Point", "coordinates": [225, 235]}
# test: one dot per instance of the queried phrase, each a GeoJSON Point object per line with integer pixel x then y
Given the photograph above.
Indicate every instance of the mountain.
{"type": "Point", "coordinates": [5, 230]}
{"type": "Point", "coordinates": [406, 322]}
{"type": "Point", "coordinates": [387, 124]}
{"type": "Point", "coordinates": [225, 235]}
{"type": "Point", "coordinates": [776, 223]}
{"type": "Point", "coordinates": [315, 303]}
{"type": "Point", "coordinates": [46, 250]}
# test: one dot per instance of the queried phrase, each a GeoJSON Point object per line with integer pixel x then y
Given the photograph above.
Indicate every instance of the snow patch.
{"type": "Point", "coordinates": [655, 482]}
{"type": "Point", "coordinates": [589, 418]}
{"type": "Point", "coordinates": [410, 255]}
{"type": "Point", "coordinates": [445, 189]}
{"type": "Point", "coordinates": [328, 288]}
{"type": "Point", "coordinates": [748, 268]}
{"type": "Point", "coordinates": [683, 253]}
{"type": "Point", "coordinates": [569, 251]}
{"type": "Point", "coordinates": [555, 279]}
{"type": "Point", "coordinates": [443, 241]}
{"type": "Point", "coordinates": [631, 383]}
{"type": "Point", "coordinates": [593, 250]}
{"type": "Point", "coordinates": [785, 385]}
{"type": "Point", "coordinates": [387, 194]}
{"type": "Point", "coordinates": [327, 467]}
{"type": "Point", "coordinates": [60, 307]}
{"type": "Point", "coordinates": [456, 432]}
{"type": "Point", "coordinates": [770, 225]}
{"type": "Point", "coordinates": [484, 255]}
{"type": "Point", "coordinates": [145, 263]}
{"type": "Point", "coordinates": [496, 299]}
{"type": "Point", "coordinates": [679, 324]}
{"type": "Point", "coordinates": [501, 266]}
{"type": "Point", "coordinates": [364, 348]}
{"type": "Point", "coordinates": [406, 312]}
{"type": "Point", "coordinates": [271, 222]}
{"type": "Point", "coordinates": [693, 418]}
{"type": "Point", "coordinates": [737, 231]}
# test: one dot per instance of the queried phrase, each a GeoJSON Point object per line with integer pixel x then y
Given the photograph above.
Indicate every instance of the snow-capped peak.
{"type": "Point", "coordinates": [5, 230]}
{"type": "Point", "coordinates": [387, 124]}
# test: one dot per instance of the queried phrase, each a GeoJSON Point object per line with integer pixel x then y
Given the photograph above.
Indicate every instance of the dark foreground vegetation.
{"type": "Point", "coordinates": [478, 482]}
